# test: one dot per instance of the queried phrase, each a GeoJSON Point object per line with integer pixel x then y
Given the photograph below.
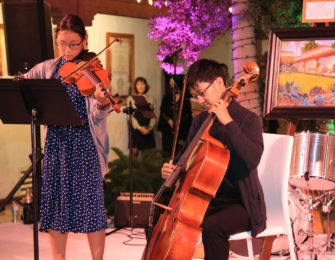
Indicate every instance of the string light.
{"type": "Point", "coordinates": [150, 2]}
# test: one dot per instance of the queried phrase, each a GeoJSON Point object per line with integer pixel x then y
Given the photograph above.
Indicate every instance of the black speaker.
{"type": "Point", "coordinates": [141, 209]}
{"type": "Point", "coordinates": [28, 34]}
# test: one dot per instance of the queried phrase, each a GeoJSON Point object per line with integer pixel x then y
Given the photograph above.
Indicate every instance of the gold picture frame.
{"type": "Point", "coordinates": [300, 79]}
{"type": "Point", "coordinates": [120, 64]}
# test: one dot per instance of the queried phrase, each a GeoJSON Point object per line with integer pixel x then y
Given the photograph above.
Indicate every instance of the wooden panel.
{"type": "Point", "coordinates": [86, 9]}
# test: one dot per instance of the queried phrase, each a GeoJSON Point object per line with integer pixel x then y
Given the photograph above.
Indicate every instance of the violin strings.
{"type": "Point", "coordinates": [96, 81]}
{"type": "Point", "coordinates": [91, 76]}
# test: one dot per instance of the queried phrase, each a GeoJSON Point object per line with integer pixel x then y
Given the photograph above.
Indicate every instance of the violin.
{"type": "Point", "coordinates": [87, 73]}
{"type": "Point", "coordinates": [205, 162]}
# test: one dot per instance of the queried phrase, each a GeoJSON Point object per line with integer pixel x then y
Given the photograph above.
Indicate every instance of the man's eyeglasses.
{"type": "Point", "coordinates": [72, 46]}
{"type": "Point", "coordinates": [202, 93]}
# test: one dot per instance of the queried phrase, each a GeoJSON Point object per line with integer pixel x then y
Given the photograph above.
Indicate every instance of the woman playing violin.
{"type": "Point", "coordinates": [75, 158]}
{"type": "Point", "coordinates": [239, 202]}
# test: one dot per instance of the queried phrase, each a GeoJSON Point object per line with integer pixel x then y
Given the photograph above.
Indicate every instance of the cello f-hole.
{"type": "Point", "coordinates": [173, 219]}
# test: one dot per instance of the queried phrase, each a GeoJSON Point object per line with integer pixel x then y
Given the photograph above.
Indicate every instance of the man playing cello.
{"type": "Point", "coordinates": [239, 202]}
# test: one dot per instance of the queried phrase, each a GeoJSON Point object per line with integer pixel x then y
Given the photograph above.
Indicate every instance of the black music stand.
{"type": "Point", "coordinates": [36, 102]}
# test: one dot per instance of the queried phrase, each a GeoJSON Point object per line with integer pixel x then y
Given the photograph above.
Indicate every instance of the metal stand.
{"type": "Point", "coordinates": [24, 177]}
{"type": "Point", "coordinates": [129, 111]}
{"type": "Point", "coordinates": [35, 182]}
{"type": "Point", "coordinates": [310, 220]}
{"type": "Point", "coordinates": [35, 168]}
{"type": "Point", "coordinates": [325, 199]}
{"type": "Point", "coordinates": [326, 209]}
{"type": "Point", "coordinates": [19, 100]}
{"type": "Point", "coordinates": [143, 106]}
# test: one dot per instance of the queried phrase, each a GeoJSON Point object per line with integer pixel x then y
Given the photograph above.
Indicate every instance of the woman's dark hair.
{"type": "Point", "coordinates": [72, 23]}
{"type": "Point", "coordinates": [145, 83]}
{"type": "Point", "coordinates": [203, 70]}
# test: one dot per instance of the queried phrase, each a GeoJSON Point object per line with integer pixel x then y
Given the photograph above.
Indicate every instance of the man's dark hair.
{"type": "Point", "coordinates": [203, 70]}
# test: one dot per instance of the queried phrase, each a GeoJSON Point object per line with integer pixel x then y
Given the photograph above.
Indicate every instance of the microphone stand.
{"type": "Point", "coordinates": [129, 110]}
{"type": "Point", "coordinates": [146, 109]}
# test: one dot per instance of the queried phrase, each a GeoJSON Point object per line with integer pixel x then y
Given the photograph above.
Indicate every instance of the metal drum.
{"type": "Point", "coordinates": [313, 162]}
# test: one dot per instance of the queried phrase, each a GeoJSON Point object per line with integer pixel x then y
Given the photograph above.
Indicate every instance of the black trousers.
{"type": "Point", "coordinates": [218, 224]}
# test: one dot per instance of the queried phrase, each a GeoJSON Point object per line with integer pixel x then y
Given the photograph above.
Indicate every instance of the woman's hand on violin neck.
{"type": "Point", "coordinates": [99, 94]}
{"type": "Point", "coordinates": [167, 169]}
{"type": "Point", "coordinates": [220, 109]}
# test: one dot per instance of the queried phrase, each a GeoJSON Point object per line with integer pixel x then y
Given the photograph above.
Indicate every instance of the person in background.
{"type": "Point", "coordinates": [142, 132]}
{"type": "Point", "coordinates": [168, 115]}
{"type": "Point", "coordinates": [228, 81]}
{"type": "Point", "coordinates": [239, 202]}
{"type": "Point", "coordinates": [75, 158]}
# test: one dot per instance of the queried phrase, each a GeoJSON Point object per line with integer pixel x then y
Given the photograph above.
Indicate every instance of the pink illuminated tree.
{"type": "Point", "coordinates": [191, 25]}
{"type": "Point", "coordinates": [189, 28]}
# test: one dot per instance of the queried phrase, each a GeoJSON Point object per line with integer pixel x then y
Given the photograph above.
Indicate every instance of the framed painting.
{"type": "Point", "coordinates": [120, 64]}
{"type": "Point", "coordinates": [300, 80]}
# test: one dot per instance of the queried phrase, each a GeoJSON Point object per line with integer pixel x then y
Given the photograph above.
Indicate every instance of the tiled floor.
{"type": "Point", "coordinates": [126, 244]}
{"type": "Point", "coordinates": [17, 244]}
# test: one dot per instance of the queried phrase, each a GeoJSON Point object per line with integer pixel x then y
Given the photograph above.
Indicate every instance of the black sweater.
{"type": "Point", "coordinates": [243, 138]}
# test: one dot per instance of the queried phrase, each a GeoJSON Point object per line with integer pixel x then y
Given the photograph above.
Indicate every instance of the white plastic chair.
{"type": "Point", "coordinates": [274, 173]}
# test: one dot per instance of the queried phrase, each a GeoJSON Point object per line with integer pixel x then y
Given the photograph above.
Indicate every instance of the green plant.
{"type": "Point", "coordinates": [146, 175]}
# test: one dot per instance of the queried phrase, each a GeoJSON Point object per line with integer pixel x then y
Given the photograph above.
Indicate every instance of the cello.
{"type": "Point", "coordinates": [205, 162]}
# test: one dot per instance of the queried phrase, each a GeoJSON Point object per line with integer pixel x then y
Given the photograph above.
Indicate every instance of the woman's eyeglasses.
{"type": "Point", "coordinates": [72, 46]}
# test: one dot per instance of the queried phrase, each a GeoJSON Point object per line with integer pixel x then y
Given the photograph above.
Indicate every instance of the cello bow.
{"type": "Point", "coordinates": [176, 129]}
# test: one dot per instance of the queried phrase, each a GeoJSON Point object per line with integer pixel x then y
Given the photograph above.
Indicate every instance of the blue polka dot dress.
{"type": "Point", "coordinates": [72, 197]}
